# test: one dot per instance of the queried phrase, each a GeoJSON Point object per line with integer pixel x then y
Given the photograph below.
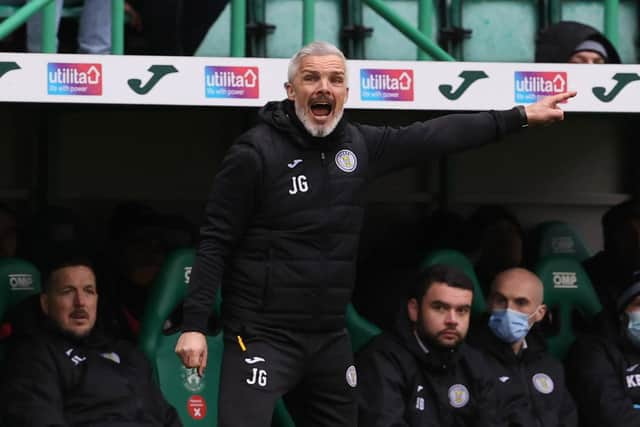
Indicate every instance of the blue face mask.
{"type": "Point", "coordinates": [509, 325]}
{"type": "Point", "coordinates": [633, 328]}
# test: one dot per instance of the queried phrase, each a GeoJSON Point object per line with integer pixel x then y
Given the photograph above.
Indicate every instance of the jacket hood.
{"type": "Point", "coordinates": [281, 116]}
{"type": "Point", "coordinates": [557, 42]}
{"type": "Point", "coordinates": [427, 352]}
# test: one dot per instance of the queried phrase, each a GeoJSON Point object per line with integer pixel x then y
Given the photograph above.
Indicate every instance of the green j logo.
{"type": "Point", "coordinates": [468, 78]}
{"type": "Point", "coordinates": [622, 79]}
{"type": "Point", "coordinates": [5, 67]}
{"type": "Point", "coordinates": [158, 71]}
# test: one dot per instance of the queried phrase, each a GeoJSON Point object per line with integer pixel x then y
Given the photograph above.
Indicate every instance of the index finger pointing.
{"type": "Point", "coordinates": [563, 96]}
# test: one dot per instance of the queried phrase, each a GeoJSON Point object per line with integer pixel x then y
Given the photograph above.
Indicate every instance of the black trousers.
{"type": "Point", "coordinates": [316, 367]}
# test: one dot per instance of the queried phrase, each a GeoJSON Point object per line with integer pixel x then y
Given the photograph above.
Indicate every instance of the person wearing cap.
{"type": "Point", "coordinates": [573, 42]}
{"type": "Point", "coordinates": [423, 374]}
{"type": "Point", "coordinates": [529, 378]}
{"type": "Point", "coordinates": [610, 268]}
{"type": "Point", "coordinates": [603, 367]}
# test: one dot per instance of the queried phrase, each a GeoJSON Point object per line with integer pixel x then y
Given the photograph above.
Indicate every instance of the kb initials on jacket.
{"type": "Point", "coordinates": [633, 381]}
{"type": "Point", "coordinates": [299, 183]}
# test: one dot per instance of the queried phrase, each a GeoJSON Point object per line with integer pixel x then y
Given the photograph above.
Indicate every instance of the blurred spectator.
{"type": "Point", "coordinates": [140, 241]}
{"type": "Point", "coordinates": [66, 372]}
{"type": "Point", "coordinates": [603, 367]}
{"type": "Point", "coordinates": [8, 232]}
{"type": "Point", "coordinates": [610, 268]}
{"type": "Point", "coordinates": [495, 242]}
{"type": "Point", "coordinates": [94, 30]}
{"type": "Point", "coordinates": [575, 43]}
{"type": "Point", "coordinates": [529, 379]}
{"type": "Point", "coordinates": [176, 27]}
{"type": "Point", "coordinates": [52, 226]}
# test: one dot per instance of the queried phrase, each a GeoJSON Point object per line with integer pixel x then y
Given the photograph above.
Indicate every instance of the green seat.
{"type": "Point", "coordinates": [567, 288]}
{"type": "Point", "coordinates": [360, 329]}
{"type": "Point", "coordinates": [559, 238]}
{"type": "Point", "coordinates": [195, 398]}
{"type": "Point", "coordinates": [458, 260]}
{"type": "Point", "coordinates": [19, 279]}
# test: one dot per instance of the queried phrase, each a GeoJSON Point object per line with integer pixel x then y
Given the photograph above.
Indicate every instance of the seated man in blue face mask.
{"type": "Point", "coordinates": [603, 367]}
{"type": "Point", "coordinates": [531, 382]}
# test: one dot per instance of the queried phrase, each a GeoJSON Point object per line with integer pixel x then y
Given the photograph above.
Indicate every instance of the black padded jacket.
{"type": "Point", "coordinates": [404, 381]}
{"type": "Point", "coordinates": [52, 380]}
{"type": "Point", "coordinates": [284, 216]}
{"type": "Point", "coordinates": [531, 385]}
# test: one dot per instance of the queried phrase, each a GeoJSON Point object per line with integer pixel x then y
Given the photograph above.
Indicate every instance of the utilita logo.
{"type": "Point", "coordinates": [74, 79]}
{"type": "Point", "coordinates": [231, 82]}
{"type": "Point", "coordinates": [386, 85]}
{"type": "Point", "coordinates": [530, 86]}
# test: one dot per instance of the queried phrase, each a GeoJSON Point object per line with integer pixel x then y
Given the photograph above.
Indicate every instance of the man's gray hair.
{"type": "Point", "coordinates": [313, 49]}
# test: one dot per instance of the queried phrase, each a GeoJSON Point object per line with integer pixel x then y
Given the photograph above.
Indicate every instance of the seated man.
{"type": "Point", "coordinates": [603, 368]}
{"type": "Point", "coordinates": [68, 374]}
{"type": "Point", "coordinates": [423, 374]}
{"type": "Point", "coordinates": [530, 381]}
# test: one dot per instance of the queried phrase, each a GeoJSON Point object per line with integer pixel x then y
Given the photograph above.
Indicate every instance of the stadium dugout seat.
{"type": "Point", "coordinates": [567, 290]}
{"type": "Point", "coordinates": [360, 329]}
{"type": "Point", "coordinates": [194, 398]}
{"type": "Point", "coordinates": [457, 259]}
{"type": "Point", "coordinates": [558, 238]}
{"type": "Point", "coordinates": [19, 279]}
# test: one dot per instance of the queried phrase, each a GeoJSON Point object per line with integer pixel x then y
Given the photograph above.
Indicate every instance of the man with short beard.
{"type": "Point", "coordinates": [423, 374]}
{"type": "Point", "coordinates": [281, 234]}
{"type": "Point", "coordinates": [67, 373]}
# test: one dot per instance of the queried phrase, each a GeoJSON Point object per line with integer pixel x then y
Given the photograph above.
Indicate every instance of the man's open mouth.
{"type": "Point", "coordinates": [321, 109]}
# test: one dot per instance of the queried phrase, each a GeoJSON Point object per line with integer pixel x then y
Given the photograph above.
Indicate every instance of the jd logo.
{"type": "Point", "coordinates": [158, 71]}
{"type": "Point", "coordinates": [622, 80]}
{"type": "Point", "coordinates": [5, 67]}
{"type": "Point", "coordinates": [468, 78]}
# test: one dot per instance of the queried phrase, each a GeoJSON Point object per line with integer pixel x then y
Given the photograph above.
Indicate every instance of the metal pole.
{"type": "Point", "coordinates": [456, 22]}
{"type": "Point", "coordinates": [611, 12]}
{"type": "Point", "coordinates": [308, 21]}
{"type": "Point", "coordinates": [238, 21]}
{"type": "Point", "coordinates": [555, 11]}
{"type": "Point", "coordinates": [22, 15]}
{"type": "Point", "coordinates": [117, 27]}
{"type": "Point", "coordinates": [425, 24]}
{"type": "Point", "coordinates": [49, 28]}
{"type": "Point", "coordinates": [412, 33]}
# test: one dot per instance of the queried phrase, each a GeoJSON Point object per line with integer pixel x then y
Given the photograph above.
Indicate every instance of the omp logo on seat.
{"type": "Point", "coordinates": [21, 282]}
{"type": "Point", "coordinates": [564, 279]}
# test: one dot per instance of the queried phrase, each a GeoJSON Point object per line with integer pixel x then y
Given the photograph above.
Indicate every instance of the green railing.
{"type": "Point", "coordinates": [48, 7]}
{"type": "Point", "coordinates": [427, 48]}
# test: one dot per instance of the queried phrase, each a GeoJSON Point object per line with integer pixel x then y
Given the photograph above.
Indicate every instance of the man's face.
{"type": "Point", "coordinates": [319, 91]}
{"type": "Point", "coordinates": [72, 300]}
{"type": "Point", "coordinates": [443, 314]}
{"type": "Point", "coordinates": [518, 290]}
{"type": "Point", "coordinates": [586, 57]}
